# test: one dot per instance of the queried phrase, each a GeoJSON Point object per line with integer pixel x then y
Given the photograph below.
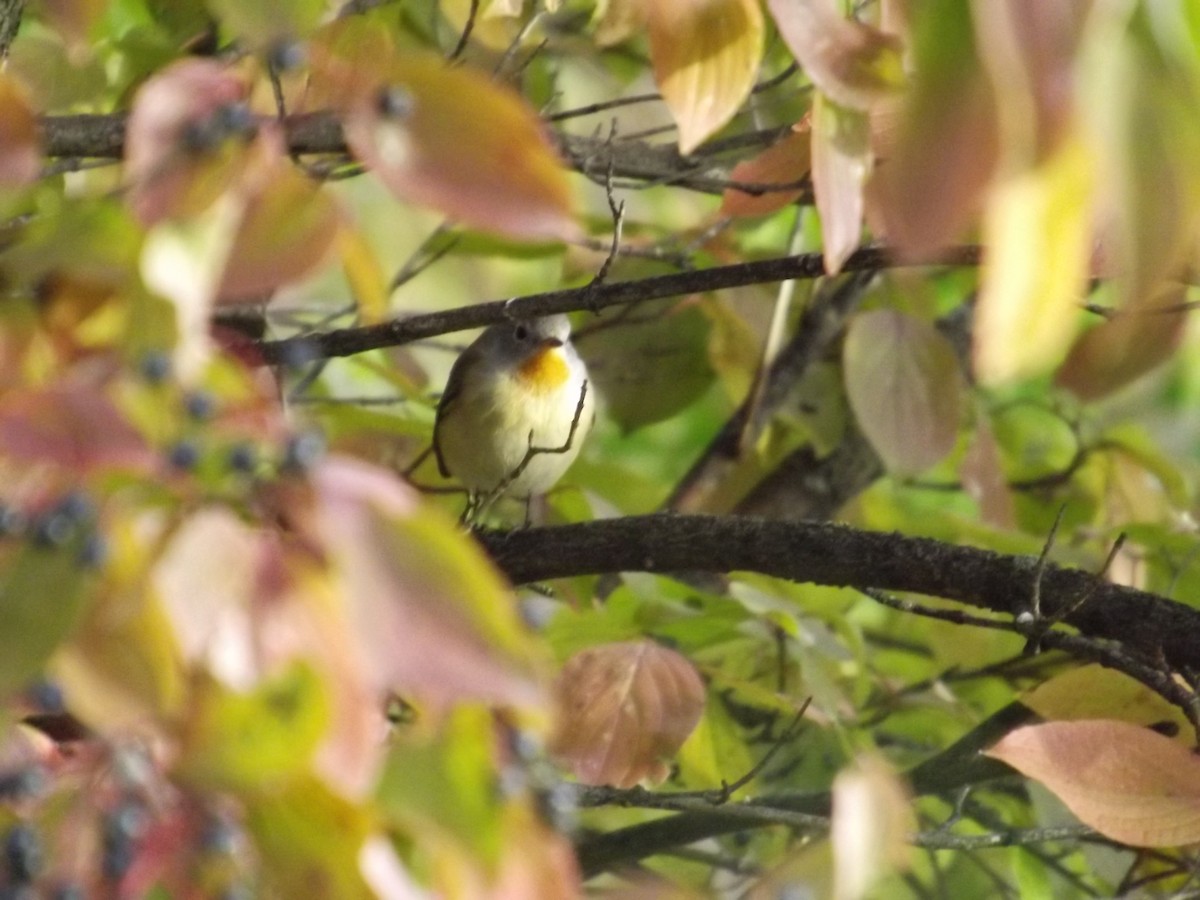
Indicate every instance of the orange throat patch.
{"type": "Point", "coordinates": [544, 370]}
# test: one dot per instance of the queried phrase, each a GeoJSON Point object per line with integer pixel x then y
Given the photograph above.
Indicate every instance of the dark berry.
{"type": "Point", "coordinates": [243, 458]}
{"type": "Point", "coordinates": [219, 836]}
{"type": "Point", "coordinates": [46, 696]}
{"type": "Point", "coordinates": [120, 830]}
{"type": "Point", "coordinates": [155, 367]}
{"type": "Point", "coordinates": [23, 853]}
{"type": "Point", "coordinates": [199, 405]}
{"type": "Point", "coordinates": [53, 530]}
{"type": "Point", "coordinates": [12, 520]}
{"type": "Point", "coordinates": [77, 505]}
{"type": "Point", "coordinates": [394, 102]}
{"type": "Point", "coordinates": [286, 55]}
{"type": "Point", "coordinates": [67, 892]}
{"type": "Point", "coordinates": [21, 784]}
{"type": "Point", "coordinates": [235, 120]}
{"type": "Point", "coordinates": [302, 451]}
{"type": "Point", "coordinates": [94, 552]}
{"type": "Point", "coordinates": [184, 455]}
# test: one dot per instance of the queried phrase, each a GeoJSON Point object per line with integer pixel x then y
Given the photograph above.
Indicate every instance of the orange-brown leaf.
{"type": "Point", "coordinates": [705, 55]}
{"type": "Point", "coordinates": [1129, 783]}
{"type": "Point", "coordinates": [623, 709]}
{"type": "Point", "coordinates": [784, 163]}
{"type": "Point", "coordinates": [20, 141]}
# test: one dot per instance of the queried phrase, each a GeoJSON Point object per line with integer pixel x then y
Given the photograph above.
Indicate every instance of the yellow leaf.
{"type": "Point", "coordinates": [705, 55]}
{"type": "Point", "coordinates": [1038, 233]}
{"type": "Point", "coordinates": [363, 272]}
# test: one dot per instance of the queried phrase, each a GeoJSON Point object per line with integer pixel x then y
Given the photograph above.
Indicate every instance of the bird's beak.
{"type": "Point", "coordinates": [550, 343]}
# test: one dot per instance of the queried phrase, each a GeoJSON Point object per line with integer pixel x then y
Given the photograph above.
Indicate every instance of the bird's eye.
{"type": "Point", "coordinates": [521, 333]}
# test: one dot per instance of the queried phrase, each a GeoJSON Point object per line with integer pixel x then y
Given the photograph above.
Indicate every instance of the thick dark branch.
{"type": "Point", "coordinates": [1154, 626]}
{"type": "Point", "coordinates": [348, 341]}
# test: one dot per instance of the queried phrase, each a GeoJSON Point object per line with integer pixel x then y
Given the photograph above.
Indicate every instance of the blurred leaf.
{"type": "Point", "coordinates": [445, 137]}
{"type": "Point", "coordinates": [253, 741]}
{"type": "Point", "coordinates": [20, 141]}
{"type": "Point", "coordinates": [432, 614]}
{"type": "Point", "coordinates": [715, 753]}
{"type": "Point", "coordinates": [651, 367]}
{"type": "Point", "coordinates": [983, 478]}
{"type": "Point", "coordinates": [872, 820]}
{"type": "Point", "coordinates": [1094, 692]}
{"type": "Point", "coordinates": [946, 145]}
{"type": "Point", "coordinates": [850, 62]}
{"type": "Point", "coordinates": [1118, 351]}
{"type": "Point", "coordinates": [1129, 783]}
{"type": "Point", "coordinates": [785, 162]}
{"type": "Point", "coordinates": [623, 709]}
{"type": "Point", "coordinates": [903, 383]}
{"type": "Point", "coordinates": [841, 157]}
{"type": "Point", "coordinates": [288, 226]}
{"type": "Point", "coordinates": [178, 156]}
{"type": "Point", "coordinates": [363, 273]}
{"type": "Point", "coordinates": [42, 592]}
{"type": "Point", "coordinates": [1038, 231]}
{"type": "Point", "coordinates": [74, 426]}
{"type": "Point", "coordinates": [705, 55]}
{"type": "Point", "coordinates": [310, 841]}
{"type": "Point", "coordinates": [266, 21]}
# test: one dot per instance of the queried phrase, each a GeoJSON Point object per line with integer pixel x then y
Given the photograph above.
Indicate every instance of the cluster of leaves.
{"type": "Point", "coordinates": [240, 654]}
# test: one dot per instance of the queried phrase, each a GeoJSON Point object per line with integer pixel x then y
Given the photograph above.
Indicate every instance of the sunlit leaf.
{"type": "Point", "coordinates": [20, 142]}
{"type": "Point", "coordinates": [650, 369]}
{"type": "Point", "coordinates": [310, 840]}
{"type": "Point", "coordinates": [1129, 783]}
{"type": "Point", "coordinates": [705, 55]}
{"type": "Point", "coordinates": [256, 739]}
{"type": "Point", "coordinates": [1138, 339]}
{"type": "Point", "coordinates": [75, 426]}
{"type": "Point", "coordinates": [786, 162]}
{"type": "Point", "coordinates": [903, 383]}
{"type": "Point", "coordinates": [623, 709]}
{"type": "Point", "coordinates": [363, 273]}
{"type": "Point", "coordinates": [930, 185]}
{"type": "Point", "coordinates": [872, 820]}
{"type": "Point", "coordinates": [446, 137]}
{"type": "Point", "coordinates": [841, 158]}
{"type": "Point", "coordinates": [1038, 230]}
{"type": "Point", "coordinates": [1094, 692]}
{"type": "Point", "coordinates": [850, 61]}
{"type": "Point", "coordinates": [266, 21]}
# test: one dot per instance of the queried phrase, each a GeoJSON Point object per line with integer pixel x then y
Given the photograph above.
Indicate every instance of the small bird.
{"type": "Point", "coordinates": [516, 409]}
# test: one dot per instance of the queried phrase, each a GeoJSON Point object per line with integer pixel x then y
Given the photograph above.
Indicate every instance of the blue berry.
{"type": "Point", "coordinates": [302, 451]}
{"type": "Point", "coordinates": [53, 530]}
{"type": "Point", "coordinates": [46, 696]}
{"type": "Point", "coordinates": [12, 520]}
{"type": "Point", "coordinates": [199, 405]}
{"type": "Point", "coordinates": [243, 458]}
{"type": "Point", "coordinates": [23, 853]}
{"type": "Point", "coordinates": [155, 367]}
{"type": "Point", "coordinates": [184, 455]}
{"type": "Point", "coordinates": [93, 553]}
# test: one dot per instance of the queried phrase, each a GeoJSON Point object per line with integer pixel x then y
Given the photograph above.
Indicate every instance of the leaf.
{"type": "Point", "coordinates": [649, 370]}
{"type": "Point", "coordinates": [74, 426]}
{"type": "Point", "coordinates": [622, 710]}
{"type": "Point", "coordinates": [785, 162]}
{"type": "Point", "coordinates": [705, 55]}
{"type": "Point", "coordinates": [268, 21]}
{"type": "Point", "coordinates": [849, 61]}
{"type": "Point", "coordinates": [429, 609]}
{"type": "Point", "coordinates": [872, 820]}
{"type": "Point", "coordinates": [1038, 233]}
{"type": "Point", "coordinates": [287, 228]}
{"type": "Point", "coordinates": [1118, 351]}
{"type": "Point", "coordinates": [1094, 692]}
{"type": "Point", "coordinates": [42, 594]}
{"type": "Point", "coordinates": [930, 182]}
{"type": "Point", "coordinates": [20, 142]}
{"type": "Point", "coordinates": [178, 158]}
{"type": "Point", "coordinates": [841, 156]}
{"type": "Point", "coordinates": [255, 740]}
{"type": "Point", "coordinates": [1129, 783]}
{"type": "Point", "coordinates": [903, 383]}
{"type": "Point", "coordinates": [445, 137]}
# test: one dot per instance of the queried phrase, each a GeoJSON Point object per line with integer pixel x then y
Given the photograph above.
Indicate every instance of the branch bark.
{"type": "Point", "coordinates": [1156, 627]}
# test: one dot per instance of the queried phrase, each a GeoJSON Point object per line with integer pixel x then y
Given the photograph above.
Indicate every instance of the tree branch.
{"type": "Point", "coordinates": [819, 553]}
{"type": "Point", "coordinates": [349, 341]}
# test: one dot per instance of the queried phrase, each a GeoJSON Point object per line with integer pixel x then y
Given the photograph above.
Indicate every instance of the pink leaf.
{"type": "Point", "coordinates": [903, 383]}
{"type": "Point", "coordinates": [1129, 783]}
{"type": "Point", "coordinates": [841, 155]}
{"type": "Point", "coordinates": [622, 710]}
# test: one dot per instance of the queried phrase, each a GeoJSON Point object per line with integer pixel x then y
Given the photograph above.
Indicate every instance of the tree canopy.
{"type": "Point", "coordinates": [876, 577]}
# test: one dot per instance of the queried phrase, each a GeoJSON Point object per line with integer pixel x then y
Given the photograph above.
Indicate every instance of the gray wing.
{"type": "Point", "coordinates": [454, 386]}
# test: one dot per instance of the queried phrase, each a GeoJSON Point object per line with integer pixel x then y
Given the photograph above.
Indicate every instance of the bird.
{"type": "Point", "coordinates": [516, 409]}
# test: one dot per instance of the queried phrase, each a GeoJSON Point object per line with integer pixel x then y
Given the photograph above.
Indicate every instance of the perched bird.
{"type": "Point", "coordinates": [516, 409]}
